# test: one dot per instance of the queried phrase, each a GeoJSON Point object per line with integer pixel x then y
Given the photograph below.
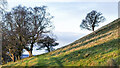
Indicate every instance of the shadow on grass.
{"type": "Point", "coordinates": [58, 62]}
{"type": "Point", "coordinates": [84, 43]}
{"type": "Point", "coordinates": [96, 50]}
{"type": "Point", "coordinates": [53, 62]}
{"type": "Point", "coordinates": [103, 30]}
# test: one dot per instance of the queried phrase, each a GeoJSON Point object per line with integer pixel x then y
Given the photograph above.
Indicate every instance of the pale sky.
{"type": "Point", "coordinates": [68, 15]}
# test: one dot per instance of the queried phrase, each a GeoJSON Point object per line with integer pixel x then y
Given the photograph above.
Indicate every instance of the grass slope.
{"type": "Point", "coordinates": [95, 49]}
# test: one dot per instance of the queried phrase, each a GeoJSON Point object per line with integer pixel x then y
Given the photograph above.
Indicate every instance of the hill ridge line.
{"type": "Point", "coordinates": [107, 25]}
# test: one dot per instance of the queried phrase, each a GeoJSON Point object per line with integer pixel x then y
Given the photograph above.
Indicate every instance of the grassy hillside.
{"type": "Point", "coordinates": [96, 49]}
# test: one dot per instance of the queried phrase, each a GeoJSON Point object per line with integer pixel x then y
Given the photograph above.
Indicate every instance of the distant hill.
{"type": "Point", "coordinates": [99, 48]}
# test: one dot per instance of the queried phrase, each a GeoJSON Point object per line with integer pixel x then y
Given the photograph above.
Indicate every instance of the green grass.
{"type": "Point", "coordinates": [95, 49]}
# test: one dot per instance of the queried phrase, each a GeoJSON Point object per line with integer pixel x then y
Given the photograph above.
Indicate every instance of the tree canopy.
{"type": "Point", "coordinates": [47, 42]}
{"type": "Point", "coordinates": [92, 20]}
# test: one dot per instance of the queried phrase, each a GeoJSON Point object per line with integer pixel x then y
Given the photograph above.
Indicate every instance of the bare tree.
{"type": "Point", "coordinates": [92, 20]}
{"type": "Point", "coordinates": [28, 25]}
{"type": "Point", "coordinates": [10, 45]}
{"type": "Point", "coordinates": [41, 22]}
{"type": "Point", "coordinates": [3, 6]}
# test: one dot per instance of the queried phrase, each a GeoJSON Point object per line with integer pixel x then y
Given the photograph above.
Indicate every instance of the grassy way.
{"type": "Point", "coordinates": [96, 49]}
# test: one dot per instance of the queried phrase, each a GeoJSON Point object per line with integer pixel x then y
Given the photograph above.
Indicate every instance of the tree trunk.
{"type": "Point", "coordinates": [3, 61]}
{"type": "Point", "coordinates": [13, 57]}
{"type": "Point", "coordinates": [30, 53]}
{"type": "Point", "coordinates": [20, 52]}
{"type": "Point", "coordinates": [48, 49]}
{"type": "Point", "coordinates": [92, 28]}
{"type": "Point", "coordinates": [18, 57]}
